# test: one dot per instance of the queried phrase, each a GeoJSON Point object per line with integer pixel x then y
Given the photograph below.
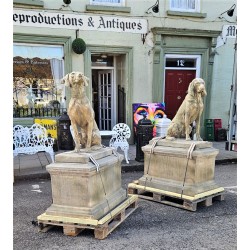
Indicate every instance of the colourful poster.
{"type": "Point", "coordinates": [153, 112]}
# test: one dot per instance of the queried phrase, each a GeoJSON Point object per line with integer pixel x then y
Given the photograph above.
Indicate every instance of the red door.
{"type": "Point", "coordinates": [176, 85]}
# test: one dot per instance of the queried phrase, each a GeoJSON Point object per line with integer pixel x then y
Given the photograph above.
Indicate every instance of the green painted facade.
{"type": "Point", "coordinates": [173, 32]}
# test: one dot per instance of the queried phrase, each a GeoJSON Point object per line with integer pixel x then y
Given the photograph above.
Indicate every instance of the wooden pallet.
{"type": "Point", "coordinates": [175, 199]}
{"type": "Point", "coordinates": [102, 227]}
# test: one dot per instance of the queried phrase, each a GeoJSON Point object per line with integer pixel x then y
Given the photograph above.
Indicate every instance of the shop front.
{"type": "Point", "coordinates": [43, 55]}
{"type": "Point", "coordinates": [132, 54]}
{"type": "Point", "coordinates": [180, 56]}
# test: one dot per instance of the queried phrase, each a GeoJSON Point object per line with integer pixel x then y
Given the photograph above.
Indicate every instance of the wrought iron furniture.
{"type": "Point", "coordinates": [31, 141]}
{"type": "Point", "coordinates": [120, 133]}
{"type": "Point", "coordinates": [102, 132]}
{"type": "Point", "coordinates": [120, 138]}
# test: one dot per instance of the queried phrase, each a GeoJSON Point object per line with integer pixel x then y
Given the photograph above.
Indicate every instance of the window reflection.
{"type": "Point", "coordinates": [37, 71]}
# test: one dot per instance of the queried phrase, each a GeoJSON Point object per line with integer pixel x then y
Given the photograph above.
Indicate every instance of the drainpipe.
{"type": "Point", "coordinates": [233, 98]}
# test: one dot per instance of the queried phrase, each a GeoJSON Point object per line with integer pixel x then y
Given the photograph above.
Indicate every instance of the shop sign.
{"type": "Point", "coordinates": [229, 31]}
{"type": "Point", "coordinates": [180, 63]}
{"type": "Point", "coordinates": [79, 21]}
{"type": "Point", "coordinates": [50, 125]}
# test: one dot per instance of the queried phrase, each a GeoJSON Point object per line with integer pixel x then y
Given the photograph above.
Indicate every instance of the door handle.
{"type": "Point", "coordinates": [178, 97]}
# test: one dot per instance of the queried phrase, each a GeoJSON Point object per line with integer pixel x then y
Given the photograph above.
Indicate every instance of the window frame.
{"type": "Point", "coordinates": [35, 3]}
{"type": "Point", "coordinates": [55, 82]}
{"type": "Point", "coordinates": [196, 57]}
{"type": "Point", "coordinates": [197, 7]}
{"type": "Point", "coordinates": [104, 3]}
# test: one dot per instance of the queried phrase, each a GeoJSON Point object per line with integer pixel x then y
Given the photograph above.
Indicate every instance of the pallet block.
{"type": "Point", "coordinates": [72, 226]}
{"type": "Point", "coordinates": [175, 199]}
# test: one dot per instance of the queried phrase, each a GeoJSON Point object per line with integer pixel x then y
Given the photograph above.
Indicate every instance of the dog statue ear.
{"type": "Point", "coordinates": [86, 81]}
{"type": "Point", "coordinates": [191, 87]}
{"type": "Point", "coordinates": [204, 93]}
{"type": "Point", "coordinates": [65, 80]}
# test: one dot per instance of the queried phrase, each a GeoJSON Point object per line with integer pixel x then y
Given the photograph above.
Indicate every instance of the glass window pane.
{"type": "Point", "coordinates": [108, 2]}
{"type": "Point", "coordinates": [37, 70]}
{"type": "Point", "coordinates": [184, 5]}
{"type": "Point", "coordinates": [31, 51]}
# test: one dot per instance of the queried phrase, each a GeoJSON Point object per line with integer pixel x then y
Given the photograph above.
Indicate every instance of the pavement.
{"type": "Point", "coordinates": [34, 166]}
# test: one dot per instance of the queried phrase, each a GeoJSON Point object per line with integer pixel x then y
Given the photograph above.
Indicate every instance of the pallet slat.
{"type": "Point", "coordinates": [102, 228]}
{"type": "Point", "coordinates": [175, 199]}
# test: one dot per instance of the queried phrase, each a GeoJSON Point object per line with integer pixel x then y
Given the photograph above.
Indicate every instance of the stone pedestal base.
{"type": "Point", "coordinates": [169, 169]}
{"type": "Point", "coordinates": [79, 190]}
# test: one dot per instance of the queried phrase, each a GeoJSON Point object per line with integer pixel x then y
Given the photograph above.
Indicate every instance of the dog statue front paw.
{"type": "Point", "coordinates": [96, 147]}
{"type": "Point", "coordinates": [86, 150]}
{"type": "Point", "coordinates": [170, 138]}
{"type": "Point", "coordinates": [77, 150]}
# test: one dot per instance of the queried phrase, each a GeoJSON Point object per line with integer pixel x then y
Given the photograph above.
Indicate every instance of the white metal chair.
{"type": "Point", "coordinates": [120, 138]}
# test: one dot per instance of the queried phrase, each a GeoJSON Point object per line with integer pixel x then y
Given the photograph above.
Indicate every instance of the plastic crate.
{"type": "Point", "coordinates": [217, 125]}
{"type": "Point", "coordinates": [209, 129]}
{"type": "Point", "coordinates": [218, 122]}
{"type": "Point", "coordinates": [209, 121]}
{"type": "Point", "coordinates": [209, 125]}
{"type": "Point", "coordinates": [221, 134]}
{"type": "Point", "coordinates": [209, 133]}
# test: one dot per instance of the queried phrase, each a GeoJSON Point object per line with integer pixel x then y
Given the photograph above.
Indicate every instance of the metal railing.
{"type": "Point", "coordinates": [37, 112]}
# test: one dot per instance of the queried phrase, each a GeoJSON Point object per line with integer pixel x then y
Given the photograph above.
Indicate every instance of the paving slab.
{"type": "Point", "coordinates": [34, 166]}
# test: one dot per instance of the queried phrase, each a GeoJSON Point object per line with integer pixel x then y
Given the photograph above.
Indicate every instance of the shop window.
{"type": "Point", "coordinates": [185, 5]}
{"type": "Point", "coordinates": [108, 2]}
{"type": "Point", "coordinates": [37, 71]}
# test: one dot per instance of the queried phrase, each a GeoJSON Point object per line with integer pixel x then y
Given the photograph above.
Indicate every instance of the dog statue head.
{"type": "Point", "coordinates": [197, 86]}
{"type": "Point", "coordinates": [75, 78]}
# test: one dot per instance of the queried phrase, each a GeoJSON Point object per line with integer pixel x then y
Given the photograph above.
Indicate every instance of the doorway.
{"type": "Point", "coordinates": [108, 89]}
{"type": "Point", "coordinates": [180, 70]}
{"type": "Point", "coordinates": [103, 98]}
{"type": "Point", "coordinates": [106, 107]}
{"type": "Point", "coordinates": [109, 79]}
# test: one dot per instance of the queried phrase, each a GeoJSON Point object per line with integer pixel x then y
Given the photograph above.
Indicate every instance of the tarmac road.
{"type": "Point", "coordinates": [151, 226]}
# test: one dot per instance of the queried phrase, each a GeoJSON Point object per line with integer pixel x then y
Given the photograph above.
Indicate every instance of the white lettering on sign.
{"type": "Point", "coordinates": [78, 21]}
{"type": "Point", "coordinates": [180, 63]}
{"type": "Point", "coordinates": [28, 61]}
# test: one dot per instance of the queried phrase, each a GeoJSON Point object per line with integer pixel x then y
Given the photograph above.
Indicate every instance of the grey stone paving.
{"type": "Point", "coordinates": [29, 166]}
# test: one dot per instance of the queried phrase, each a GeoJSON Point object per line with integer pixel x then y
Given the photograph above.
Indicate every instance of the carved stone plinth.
{"type": "Point", "coordinates": [79, 190]}
{"type": "Point", "coordinates": [169, 169]}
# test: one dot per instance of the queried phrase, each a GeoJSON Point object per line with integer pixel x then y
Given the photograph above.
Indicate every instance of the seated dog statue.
{"type": "Point", "coordinates": [81, 113]}
{"type": "Point", "coordinates": [189, 111]}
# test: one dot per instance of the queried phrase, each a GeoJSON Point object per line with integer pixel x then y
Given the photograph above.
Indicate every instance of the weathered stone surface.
{"type": "Point", "coordinates": [82, 156]}
{"type": "Point", "coordinates": [169, 169]}
{"type": "Point", "coordinates": [79, 190]}
{"type": "Point", "coordinates": [181, 143]}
